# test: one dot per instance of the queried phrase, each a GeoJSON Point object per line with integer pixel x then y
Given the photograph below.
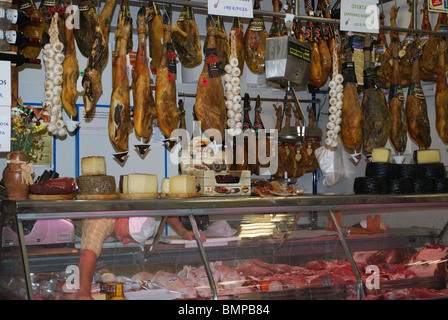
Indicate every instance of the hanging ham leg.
{"type": "Point", "coordinates": [70, 73]}
{"type": "Point", "coordinates": [428, 61]}
{"type": "Point", "coordinates": [33, 30]}
{"type": "Point", "coordinates": [156, 33]}
{"type": "Point", "coordinates": [442, 95]}
{"type": "Point", "coordinates": [383, 57]}
{"type": "Point", "coordinates": [119, 114]}
{"type": "Point", "coordinates": [210, 106]}
{"type": "Point", "coordinates": [186, 39]}
{"type": "Point", "coordinates": [282, 158]}
{"type": "Point", "coordinates": [351, 124]}
{"type": "Point", "coordinates": [88, 20]}
{"type": "Point", "coordinates": [91, 80]}
{"type": "Point", "coordinates": [255, 42]}
{"type": "Point", "coordinates": [167, 111]}
{"type": "Point", "coordinates": [405, 53]}
{"type": "Point", "coordinates": [399, 130]}
{"type": "Point", "coordinates": [376, 119]}
{"type": "Point", "coordinates": [416, 108]}
{"type": "Point", "coordinates": [144, 106]}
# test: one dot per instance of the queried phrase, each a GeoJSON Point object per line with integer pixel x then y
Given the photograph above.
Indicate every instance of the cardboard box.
{"type": "Point", "coordinates": [226, 183]}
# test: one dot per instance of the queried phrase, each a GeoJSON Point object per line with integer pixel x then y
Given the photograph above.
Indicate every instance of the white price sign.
{"type": "Point", "coordinates": [359, 16]}
{"type": "Point", "coordinates": [232, 8]}
{"type": "Point", "coordinates": [5, 84]}
{"type": "Point", "coordinates": [5, 129]}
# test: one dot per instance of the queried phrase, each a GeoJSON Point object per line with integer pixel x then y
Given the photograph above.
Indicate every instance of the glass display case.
{"type": "Point", "coordinates": [300, 247]}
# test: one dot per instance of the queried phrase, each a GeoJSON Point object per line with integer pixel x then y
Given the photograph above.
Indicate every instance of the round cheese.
{"type": "Point", "coordinates": [182, 184]}
{"type": "Point", "coordinates": [92, 166]}
{"type": "Point", "coordinates": [98, 184]}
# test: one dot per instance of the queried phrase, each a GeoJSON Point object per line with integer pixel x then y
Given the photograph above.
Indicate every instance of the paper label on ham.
{"type": "Point", "coordinates": [171, 56]}
{"type": "Point", "coordinates": [212, 59]}
{"type": "Point", "coordinates": [396, 92]}
{"type": "Point", "coordinates": [415, 89]}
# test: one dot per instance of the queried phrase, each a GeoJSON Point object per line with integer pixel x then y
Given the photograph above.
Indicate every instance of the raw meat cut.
{"type": "Point", "coordinates": [376, 119]}
{"type": "Point", "coordinates": [430, 261]}
{"type": "Point", "coordinates": [119, 114]}
{"type": "Point", "coordinates": [144, 106]}
{"type": "Point", "coordinates": [186, 39]}
{"type": "Point", "coordinates": [70, 73]}
{"type": "Point", "coordinates": [168, 280]}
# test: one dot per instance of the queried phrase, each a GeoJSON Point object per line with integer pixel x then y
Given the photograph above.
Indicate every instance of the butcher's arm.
{"type": "Point", "coordinates": [175, 223]}
{"type": "Point", "coordinates": [87, 263]}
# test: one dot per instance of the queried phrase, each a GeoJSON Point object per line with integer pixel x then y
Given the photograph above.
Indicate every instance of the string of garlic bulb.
{"type": "Point", "coordinates": [233, 90]}
{"type": "Point", "coordinates": [335, 109]}
{"type": "Point", "coordinates": [53, 58]}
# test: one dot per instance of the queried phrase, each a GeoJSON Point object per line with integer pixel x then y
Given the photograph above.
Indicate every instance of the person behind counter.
{"type": "Point", "coordinates": [133, 229]}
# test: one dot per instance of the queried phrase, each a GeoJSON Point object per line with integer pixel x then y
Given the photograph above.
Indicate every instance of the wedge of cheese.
{"type": "Point", "coordinates": [381, 155]}
{"type": "Point", "coordinates": [428, 156]}
{"type": "Point", "coordinates": [139, 183]}
{"type": "Point", "coordinates": [92, 166]}
{"type": "Point", "coordinates": [182, 184]}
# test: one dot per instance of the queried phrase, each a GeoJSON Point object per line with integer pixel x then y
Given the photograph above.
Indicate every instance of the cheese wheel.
{"type": "Point", "coordinates": [428, 156]}
{"type": "Point", "coordinates": [141, 183]}
{"type": "Point", "coordinates": [182, 184]}
{"type": "Point", "coordinates": [91, 166]}
{"type": "Point", "coordinates": [97, 185]}
{"type": "Point", "coordinates": [165, 185]}
{"type": "Point", "coordinates": [381, 155]}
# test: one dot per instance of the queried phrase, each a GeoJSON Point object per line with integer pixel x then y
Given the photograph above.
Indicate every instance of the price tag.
{"type": "Point", "coordinates": [5, 129]}
{"type": "Point", "coordinates": [232, 8]}
{"type": "Point", "coordinates": [360, 16]}
{"type": "Point", "coordinates": [5, 84]}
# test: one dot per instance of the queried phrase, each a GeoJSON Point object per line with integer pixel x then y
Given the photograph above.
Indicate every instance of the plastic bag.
{"type": "Point", "coordinates": [332, 164]}
{"type": "Point", "coordinates": [220, 228]}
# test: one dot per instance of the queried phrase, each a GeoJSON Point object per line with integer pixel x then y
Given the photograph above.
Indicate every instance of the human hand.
{"type": "Point", "coordinates": [189, 235]}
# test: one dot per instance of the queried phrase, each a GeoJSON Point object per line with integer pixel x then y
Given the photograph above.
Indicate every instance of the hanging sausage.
{"type": "Point", "coordinates": [119, 114]}
{"type": "Point", "coordinates": [144, 106]}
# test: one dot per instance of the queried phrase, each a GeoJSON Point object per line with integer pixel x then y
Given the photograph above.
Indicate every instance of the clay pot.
{"type": "Point", "coordinates": [16, 189]}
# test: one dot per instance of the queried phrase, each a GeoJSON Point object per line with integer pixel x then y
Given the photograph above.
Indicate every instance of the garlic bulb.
{"type": "Point", "coordinates": [233, 90]}
{"type": "Point", "coordinates": [53, 59]}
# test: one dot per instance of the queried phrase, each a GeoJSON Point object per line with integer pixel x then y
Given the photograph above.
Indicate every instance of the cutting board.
{"type": "Point", "coordinates": [69, 196]}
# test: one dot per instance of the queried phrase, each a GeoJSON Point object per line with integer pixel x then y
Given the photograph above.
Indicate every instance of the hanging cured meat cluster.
{"type": "Point", "coordinates": [360, 117]}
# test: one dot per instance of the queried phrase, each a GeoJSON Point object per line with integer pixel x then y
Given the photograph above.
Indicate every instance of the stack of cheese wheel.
{"type": "Point", "coordinates": [336, 96]}
{"type": "Point", "coordinates": [233, 90]}
{"type": "Point", "coordinates": [53, 57]}
{"type": "Point", "coordinates": [139, 185]}
{"type": "Point", "coordinates": [93, 180]}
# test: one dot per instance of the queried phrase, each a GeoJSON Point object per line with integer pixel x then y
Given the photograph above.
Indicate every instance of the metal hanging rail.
{"type": "Point", "coordinates": [201, 5]}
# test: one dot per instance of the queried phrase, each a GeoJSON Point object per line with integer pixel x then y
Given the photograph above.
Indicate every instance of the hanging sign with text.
{"type": "Point", "coordinates": [232, 8]}
{"type": "Point", "coordinates": [359, 16]}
